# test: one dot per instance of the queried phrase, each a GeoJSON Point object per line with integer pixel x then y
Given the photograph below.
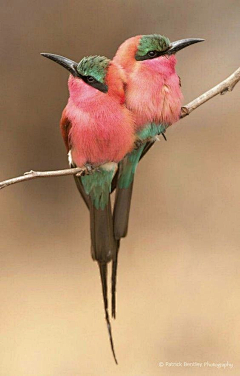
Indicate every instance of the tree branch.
{"type": "Point", "coordinates": [222, 88]}
{"type": "Point", "coordinates": [42, 174]}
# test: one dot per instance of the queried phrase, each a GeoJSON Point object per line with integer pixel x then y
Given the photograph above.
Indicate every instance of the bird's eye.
{"type": "Point", "coordinates": [152, 53]}
{"type": "Point", "coordinates": [90, 79]}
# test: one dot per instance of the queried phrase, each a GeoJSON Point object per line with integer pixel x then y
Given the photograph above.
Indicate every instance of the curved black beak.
{"type": "Point", "coordinates": [70, 65]}
{"type": "Point", "coordinates": [180, 44]}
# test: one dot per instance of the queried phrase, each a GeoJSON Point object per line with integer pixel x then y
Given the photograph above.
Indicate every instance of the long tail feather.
{"type": "Point", "coordinates": [103, 247]}
{"type": "Point", "coordinates": [95, 191]}
{"type": "Point", "coordinates": [114, 280]}
{"type": "Point", "coordinates": [103, 274]}
{"type": "Point", "coordinates": [103, 242]}
{"type": "Point", "coordinates": [120, 220]}
{"type": "Point", "coordinates": [122, 206]}
{"type": "Point", "coordinates": [122, 210]}
{"type": "Point", "coordinates": [123, 182]}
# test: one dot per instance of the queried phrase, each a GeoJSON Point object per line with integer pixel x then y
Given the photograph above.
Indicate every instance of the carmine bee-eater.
{"type": "Point", "coordinates": [98, 131]}
{"type": "Point", "coordinates": [154, 96]}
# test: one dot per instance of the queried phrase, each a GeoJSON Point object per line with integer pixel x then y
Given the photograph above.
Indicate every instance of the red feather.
{"type": "Point", "coordinates": [65, 126]}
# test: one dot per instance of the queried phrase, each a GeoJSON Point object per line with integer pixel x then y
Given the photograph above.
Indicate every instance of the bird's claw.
{"type": "Point", "coordinates": [88, 169]}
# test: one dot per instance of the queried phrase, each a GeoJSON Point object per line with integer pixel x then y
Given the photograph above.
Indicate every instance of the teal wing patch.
{"type": "Point", "coordinates": [97, 185]}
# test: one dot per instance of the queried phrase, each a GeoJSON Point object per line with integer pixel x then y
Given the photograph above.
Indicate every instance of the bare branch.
{"type": "Point", "coordinates": [222, 88]}
{"type": "Point", "coordinates": [41, 174]}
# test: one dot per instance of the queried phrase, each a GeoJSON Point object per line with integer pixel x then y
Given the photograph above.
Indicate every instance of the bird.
{"type": "Point", "coordinates": [153, 94]}
{"type": "Point", "coordinates": [98, 131]}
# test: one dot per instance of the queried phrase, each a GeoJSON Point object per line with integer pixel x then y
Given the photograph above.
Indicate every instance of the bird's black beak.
{"type": "Point", "coordinates": [180, 44]}
{"type": "Point", "coordinates": [70, 65]}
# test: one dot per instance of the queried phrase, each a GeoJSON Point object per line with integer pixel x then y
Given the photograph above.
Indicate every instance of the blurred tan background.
{"type": "Point", "coordinates": [179, 280]}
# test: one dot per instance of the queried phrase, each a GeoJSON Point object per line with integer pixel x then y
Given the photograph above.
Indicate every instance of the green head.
{"type": "Point", "coordinates": [91, 69]}
{"type": "Point", "coordinates": [150, 44]}
{"type": "Point", "coordinates": [94, 66]}
{"type": "Point", "coordinates": [155, 45]}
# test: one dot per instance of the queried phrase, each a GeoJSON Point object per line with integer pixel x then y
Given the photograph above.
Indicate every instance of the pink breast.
{"type": "Point", "coordinates": [102, 133]}
{"type": "Point", "coordinates": [153, 92]}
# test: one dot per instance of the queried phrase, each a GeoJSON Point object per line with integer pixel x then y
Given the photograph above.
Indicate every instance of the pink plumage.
{"type": "Point", "coordinates": [102, 128]}
{"type": "Point", "coordinates": [153, 92]}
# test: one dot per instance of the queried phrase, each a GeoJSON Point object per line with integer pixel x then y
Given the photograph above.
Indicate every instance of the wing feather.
{"type": "Point", "coordinates": [65, 126]}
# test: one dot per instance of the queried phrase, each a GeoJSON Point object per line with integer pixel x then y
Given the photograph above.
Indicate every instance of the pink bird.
{"type": "Point", "coordinates": [154, 96]}
{"type": "Point", "coordinates": [98, 131]}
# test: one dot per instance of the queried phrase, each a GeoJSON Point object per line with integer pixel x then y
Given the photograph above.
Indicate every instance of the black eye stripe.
{"type": "Point", "coordinates": [151, 55]}
{"type": "Point", "coordinates": [91, 81]}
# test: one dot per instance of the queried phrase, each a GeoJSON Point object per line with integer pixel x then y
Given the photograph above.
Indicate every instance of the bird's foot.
{"type": "Point", "coordinates": [88, 169]}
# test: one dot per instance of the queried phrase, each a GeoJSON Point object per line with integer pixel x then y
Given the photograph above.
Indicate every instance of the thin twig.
{"type": "Point", "coordinates": [222, 88]}
{"type": "Point", "coordinates": [41, 174]}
